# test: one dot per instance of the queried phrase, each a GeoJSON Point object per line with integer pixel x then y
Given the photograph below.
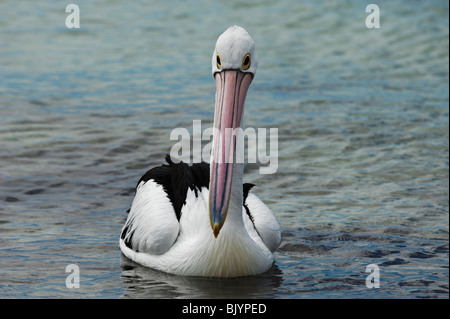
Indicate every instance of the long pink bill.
{"type": "Point", "coordinates": [231, 90]}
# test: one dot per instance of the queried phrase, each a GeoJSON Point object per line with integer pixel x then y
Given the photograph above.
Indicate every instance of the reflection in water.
{"type": "Point", "coordinates": [142, 282]}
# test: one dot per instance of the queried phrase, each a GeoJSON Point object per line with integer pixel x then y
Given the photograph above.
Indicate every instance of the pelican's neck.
{"type": "Point", "coordinates": [237, 197]}
{"type": "Point", "coordinates": [237, 180]}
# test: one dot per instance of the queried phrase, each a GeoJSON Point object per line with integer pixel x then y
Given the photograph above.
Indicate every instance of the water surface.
{"type": "Point", "coordinates": [363, 125]}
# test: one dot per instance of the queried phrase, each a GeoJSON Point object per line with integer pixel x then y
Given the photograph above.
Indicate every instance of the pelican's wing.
{"type": "Point", "coordinates": [263, 219]}
{"type": "Point", "coordinates": [153, 225]}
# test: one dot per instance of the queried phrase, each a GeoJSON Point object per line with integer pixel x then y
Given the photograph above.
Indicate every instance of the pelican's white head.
{"type": "Point", "coordinates": [234, 64]}
{"type": "Point", "coordinates": [235, 50]}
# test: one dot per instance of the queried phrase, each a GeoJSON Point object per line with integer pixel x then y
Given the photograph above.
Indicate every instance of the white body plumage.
{"type": "Point", "coordinates": [188, 247]}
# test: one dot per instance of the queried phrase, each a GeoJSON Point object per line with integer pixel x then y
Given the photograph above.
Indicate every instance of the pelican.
{"type": "Point", "coordinates": [200, 219]}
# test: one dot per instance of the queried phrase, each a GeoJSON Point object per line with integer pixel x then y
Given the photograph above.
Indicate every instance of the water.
{"type": "Point", "coordinates": [363, 142]}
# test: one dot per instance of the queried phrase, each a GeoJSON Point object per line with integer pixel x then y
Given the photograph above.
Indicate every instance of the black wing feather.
{"type": "Point", "coordinates": [177, 178]}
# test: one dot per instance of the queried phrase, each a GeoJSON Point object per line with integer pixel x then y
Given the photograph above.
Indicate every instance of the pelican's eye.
{"type": "Point", "coordinates": [219, 63]}
{"type": "Point", "coordinates": [246, 62]}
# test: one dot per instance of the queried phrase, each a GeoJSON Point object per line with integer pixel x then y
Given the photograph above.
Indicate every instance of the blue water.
{"type": "Point", "coordinates": [363, 123]}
